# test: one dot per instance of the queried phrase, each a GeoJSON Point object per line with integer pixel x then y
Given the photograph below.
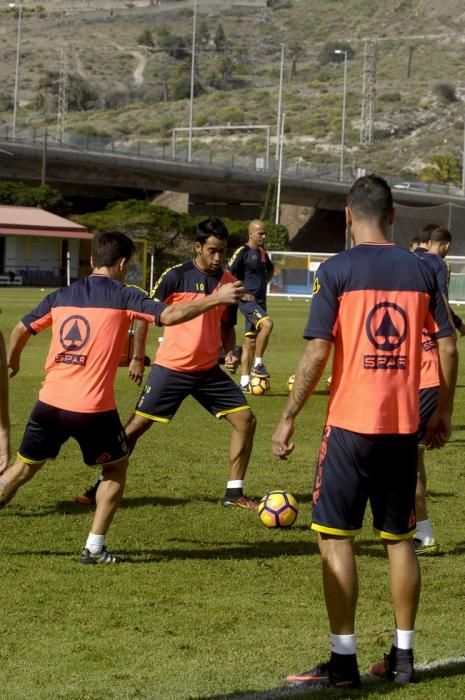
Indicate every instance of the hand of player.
{"type": "Point", "coordinates": [438, 430]}
{"type": "Point", "coordinates": [231, 361]}
{"type": "Point", "coordinates": [281, 446]}
{"type": "Point", "coordinates": [136, 370]}
{"type": "Point", "coordinates": [13, 365]}
{"type": "Point", "coordinates": [231, 292]}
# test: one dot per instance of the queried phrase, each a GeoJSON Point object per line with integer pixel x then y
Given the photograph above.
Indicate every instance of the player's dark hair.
{"type": "Point", "coordinates": [440, 235]}
{"type": "Point", "coordinates": [426, 231]}
{"type": "Point", "coordinates": [370, 197]}
{"type": "Point", "coordinates": [416, 240]}
{"type": "Point", "coordinates": [210, 227]}
{"type": "Point", "coordinates": [110, 246]}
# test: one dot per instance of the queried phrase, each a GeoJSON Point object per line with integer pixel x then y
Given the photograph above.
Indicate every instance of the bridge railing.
{"type": "Point", "coordinates": [295, 168]}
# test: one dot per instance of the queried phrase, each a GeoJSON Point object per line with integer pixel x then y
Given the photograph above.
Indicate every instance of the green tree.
{"type": "Point", "coordinates": [81, 95]}
{"type": "Point", "coordinates": [269, 205]}
{"type": "Point", "coordinates": [145, 38]}
{"type": "Point", "coordinates": [168, 233]}
{"type": "Point", "coordinates": [443, 168]}
{"type": "Point", "coordinates": [445, 92]}
{"type": "Point", "coordinates": [296, 52]}
{"type": "Point", "coordinates": [328, 55]}
{"type": "Point", "coordinates": [203, 32]}
{"type": "Point", "coordinates": [220, 38]}
{"type": "Point", "coordinates": [175, 46]}
{"type": "Point", "coordinates": [21, 195]}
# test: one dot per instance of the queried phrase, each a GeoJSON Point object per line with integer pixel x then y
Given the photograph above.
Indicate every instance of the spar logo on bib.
{"type": "Point", "coordinates": [74, 334]}
{"type": "Point", "coordinates": [386, 327]}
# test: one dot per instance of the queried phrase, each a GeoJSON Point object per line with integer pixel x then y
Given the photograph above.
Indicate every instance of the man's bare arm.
{"type": "Point", "coordinates": [307, 376]}
{"type": "Point", "coordinates": [18, 339]}
{"type": "Point", "coordinates": [136, 365]}
{"type": "Point", "coordinates": [438, 430]}
{"type": "Point", "coordinates": [185, 311]}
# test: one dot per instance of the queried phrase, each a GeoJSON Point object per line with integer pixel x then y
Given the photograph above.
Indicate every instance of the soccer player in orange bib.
{"type": "Point", "coordinates": [372, 303]}
{"type": "Point", "coordinates": [186, 363]}
{"type": "Point", "coordinates": [90, 321]}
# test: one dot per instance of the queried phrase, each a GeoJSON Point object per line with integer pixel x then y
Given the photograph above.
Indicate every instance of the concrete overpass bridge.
{"type": "Point", "coordinates": [102, 172]}
{"type": "Point", "coordinates": [213, 188]}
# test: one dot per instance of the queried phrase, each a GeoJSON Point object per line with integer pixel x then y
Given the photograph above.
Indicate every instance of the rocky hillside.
{"type": "Point", "coordinates": [124, 71]}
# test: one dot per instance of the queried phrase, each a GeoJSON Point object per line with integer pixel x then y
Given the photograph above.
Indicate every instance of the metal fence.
{"type": "Point", "coordinates": [295, 273]}
{"type": "Point", "coordinates": [205, 154]}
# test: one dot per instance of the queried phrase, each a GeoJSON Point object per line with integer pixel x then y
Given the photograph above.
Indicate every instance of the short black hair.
{"type": "Point", "coordinates": [210, 227]}
{"type": "Point", "coordinates": [440, 235]}
{"type": "Point", "coordinates": [426, 231]}
{"type": "Point", "coordinates": [110, 246]}
{"type": "Point", "coordinates": [370, 197]}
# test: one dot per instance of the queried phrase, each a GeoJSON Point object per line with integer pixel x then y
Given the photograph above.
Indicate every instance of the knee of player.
{"type": "Point", "coordinates": [250, 422]}
{"type": "Point", "coordinates": [245, 421]}
{"type": "Point", "coordinates": [114, 470]}
{"type": "Point", "coordinates": [266, 326]}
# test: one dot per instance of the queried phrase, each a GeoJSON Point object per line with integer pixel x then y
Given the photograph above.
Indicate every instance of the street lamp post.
{"type": "Point", "coordinates": [191, 101]}
{"type": "Point", "coordinates": [280, 170]}
{"type": "Point", "coordinates": [280, 102]}
{"type": "Point", "coordinates": [18, 53]}
{"type": "Point", "coordinates": [344, 93]}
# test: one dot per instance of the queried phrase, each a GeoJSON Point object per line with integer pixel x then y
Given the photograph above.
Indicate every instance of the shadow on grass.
{"type": "Point", "coordinates": [427, 673]}
{"type": "Point", "coordinates": [256, 550]}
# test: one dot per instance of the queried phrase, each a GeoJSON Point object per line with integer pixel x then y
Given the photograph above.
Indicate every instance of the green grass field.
{"type": "Point", "coordinates": [212, 604]}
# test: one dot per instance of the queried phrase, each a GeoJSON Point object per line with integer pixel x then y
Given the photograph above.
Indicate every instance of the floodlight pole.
{"type": "Point", "coordinates": [280, 102]}
{"type": "Point", "coordinates": [191, 101]}
{"type": "Point", "coordinates": [343, 127]}
{"type": "Point", "coordinates": [18, 54]}
{"type": "Point", "coordinates": [280, 170]}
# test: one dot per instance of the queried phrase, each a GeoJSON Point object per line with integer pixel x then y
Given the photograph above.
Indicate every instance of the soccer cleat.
{"type": "Point", "coordinates": [260, 371]}
{"type": "Point", "coordinates": [421, 548]}
{"type": "Point", "coordinates": [88, 497]}
{"type": "Point", "coordinates": [239, 502]}
{"type": "Point", "coordinates": [102, 557]}
{"type": "Point", "coordinates": [397, 666]}
{"type": "Point", "coordinates": [328, 674]}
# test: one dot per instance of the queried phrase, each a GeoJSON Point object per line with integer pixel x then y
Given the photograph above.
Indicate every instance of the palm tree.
{"type": "Point", "coordinates": [442, 168]}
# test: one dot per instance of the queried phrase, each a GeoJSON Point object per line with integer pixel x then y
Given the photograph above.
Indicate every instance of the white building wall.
{"type": "Point", "coordinates": [38, 253]}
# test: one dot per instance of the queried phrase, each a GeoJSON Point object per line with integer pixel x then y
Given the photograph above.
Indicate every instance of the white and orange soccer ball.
{"type": "Point", "coordinates": [259, 385]}
{"type": "Point", "coordinates": [278, 509]}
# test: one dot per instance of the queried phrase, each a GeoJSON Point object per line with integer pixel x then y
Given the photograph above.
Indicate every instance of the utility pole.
{"type": "Point", "coordinates": [191, 101]}
{"type": "Point", "coordinates": [62, 96]}
{"type": "Point", "coordinates": [367, 121]}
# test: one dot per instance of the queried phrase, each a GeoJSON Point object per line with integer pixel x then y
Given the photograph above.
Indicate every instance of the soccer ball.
{"type": "Point", "coordinates": [259, 385]}
{"type": "Point", "coordinates": [328, 384]}
{"type": "Point", "coordinates": [278, 509]}
{"type": "Point", "coordinates": [290, 382]}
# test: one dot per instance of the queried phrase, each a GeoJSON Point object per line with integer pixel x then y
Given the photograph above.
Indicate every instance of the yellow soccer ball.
{"type": "Point", "coordinates": [259, 385]}
{"type": "Point", "coordinates": [290, 382]}
{"type": "Point", "coordinates": [278, 509]}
